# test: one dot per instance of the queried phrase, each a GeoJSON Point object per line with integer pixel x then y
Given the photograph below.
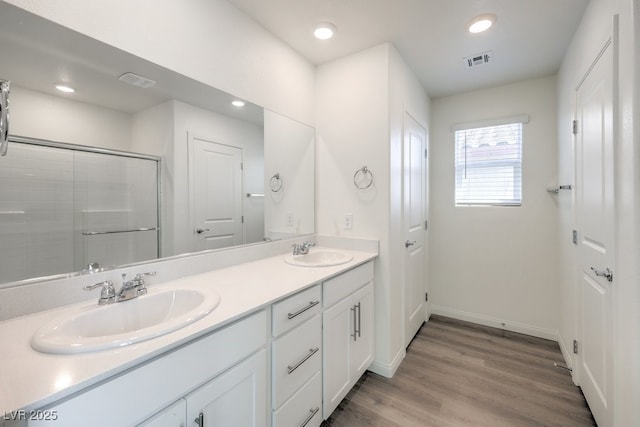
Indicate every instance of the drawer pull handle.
{"type": "Point", "coordinates": [312, 351]}
{"type": "Point", "coordinates": [302, 310]}
{"type": "Point", "coordinates": [312, 413]}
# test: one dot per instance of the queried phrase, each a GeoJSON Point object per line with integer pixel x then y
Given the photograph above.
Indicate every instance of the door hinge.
{"type": "Point", "coordinates": [575, 127]}
{"type": "Point", "coordinates": [575, 346]}
{"type": "Point", "coordinates": [426, 153]}
{"type": "Point", "coordinates": [426, 296]}
{"type": "Point", "coordinates": [426, 224]}
{"type": "Point", "coordinates": [241, 166]}
{"type": "Point", "coordinates": [242, 219]}
{"type": "Point", "coordinates": [575, 237]}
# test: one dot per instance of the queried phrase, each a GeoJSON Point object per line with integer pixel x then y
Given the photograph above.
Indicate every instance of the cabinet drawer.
{"type": "Point", "coordinates": [304, 409]}
{"type": "Point", "coordinates": [343, 285]}
{"type": "Point", "coordinates": [296, 357]}
{"type": "Point", "coordinates": [294, 310]}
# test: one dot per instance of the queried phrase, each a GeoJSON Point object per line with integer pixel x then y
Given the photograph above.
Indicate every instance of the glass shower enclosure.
{"type": "Point", "coordinates": [66, 208]}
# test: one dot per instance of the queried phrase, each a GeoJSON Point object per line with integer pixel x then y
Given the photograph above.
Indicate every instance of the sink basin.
{"type": "Point", "coordinates": [123, 323]}
{"type": "Point", "coordinates": [318, 258]}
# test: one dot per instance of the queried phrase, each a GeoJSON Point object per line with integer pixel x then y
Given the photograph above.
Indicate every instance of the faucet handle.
{"type": "Point", "coordinates": [139, 276]}
{"type": "Point", "coordinates": [107, 294]}
{"type": "Point", "coordinates": [308, 244]}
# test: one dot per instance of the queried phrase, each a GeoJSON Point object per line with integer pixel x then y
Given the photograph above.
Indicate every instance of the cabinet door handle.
{"type": "Point", "coordinates": [302, 310]}
{"type": "Point", "coordinates": [200, 420]}
{"type": "Point", "coordinates": [359, 320]}
{"type": "Point", "coordinates": [355, 323]}
{"type": "Point", "coordinates": [312, 413]}
{"type": "Point", "coordinates": [312, 351]}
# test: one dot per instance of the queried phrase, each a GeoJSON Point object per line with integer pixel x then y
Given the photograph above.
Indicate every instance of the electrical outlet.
{"type": "Point", "coordinates": [289, 219]}
{"type": "Point", "coordinates": [348, 221]}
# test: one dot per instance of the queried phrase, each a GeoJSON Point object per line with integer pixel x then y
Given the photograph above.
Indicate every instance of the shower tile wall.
{"type": "Point", "coordinates": [49, 196]}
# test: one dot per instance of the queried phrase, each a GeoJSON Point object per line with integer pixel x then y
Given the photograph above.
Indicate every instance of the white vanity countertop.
{"type": "Point", "coordinates": [31, 380]}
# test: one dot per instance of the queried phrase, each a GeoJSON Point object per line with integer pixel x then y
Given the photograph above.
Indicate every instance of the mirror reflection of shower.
{"type": "Point", "coordinates": [74, 208]}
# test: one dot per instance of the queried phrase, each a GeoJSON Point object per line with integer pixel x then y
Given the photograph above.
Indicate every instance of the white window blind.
{"type": "Point", "coordinates": [488, 163]}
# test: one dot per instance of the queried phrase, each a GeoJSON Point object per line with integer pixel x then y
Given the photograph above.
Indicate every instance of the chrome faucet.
{"type": "Point", "coordinates": [302, 248]}
{"type": "Point", "coordinates": [130, 289]}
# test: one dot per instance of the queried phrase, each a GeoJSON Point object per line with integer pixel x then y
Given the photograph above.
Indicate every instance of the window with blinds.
{"type": "Point", "coordinates": [488, 163]}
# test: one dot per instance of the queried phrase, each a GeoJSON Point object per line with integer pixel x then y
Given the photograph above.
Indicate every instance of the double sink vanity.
{"type": "Point", "coordinates": [275, 341]}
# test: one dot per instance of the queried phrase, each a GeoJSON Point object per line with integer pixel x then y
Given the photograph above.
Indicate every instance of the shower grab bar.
{"type": "Point", "coordinates": [5, 87]}
{"type": "Point", "coordinates": [96, 233]}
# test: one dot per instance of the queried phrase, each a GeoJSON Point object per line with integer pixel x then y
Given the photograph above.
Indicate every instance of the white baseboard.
{"type": "Point", "coordinates": [507, 325]}
{"type": "Point", "coordinates": [388, 370]}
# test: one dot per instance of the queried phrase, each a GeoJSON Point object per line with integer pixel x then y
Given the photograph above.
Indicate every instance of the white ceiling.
{"type": "Point", "coordinates": [37, 54]}
{"type": "Point", "coordinates": [528, 40]}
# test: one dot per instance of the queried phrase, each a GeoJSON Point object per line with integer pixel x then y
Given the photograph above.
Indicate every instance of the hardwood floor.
{"type": "Point", "coordinates": [461, 374]}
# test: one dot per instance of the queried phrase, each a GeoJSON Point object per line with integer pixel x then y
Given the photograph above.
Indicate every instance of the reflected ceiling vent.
{"type": "Point", "coordinates": [479, 59]}
{"type": "Point", "coordinates": [136, 80]}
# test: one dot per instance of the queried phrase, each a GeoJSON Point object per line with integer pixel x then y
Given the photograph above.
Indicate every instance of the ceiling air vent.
{"type": "Point", "coordinates": [136, 80]}
{"type": "Point", "coordinates": [479, 59]}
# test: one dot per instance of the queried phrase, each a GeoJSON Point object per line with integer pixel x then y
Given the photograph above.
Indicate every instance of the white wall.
{"type": "Point", "coordinates": [38, 115]}
{"type": "Point", "coordinates": [361, 101]}
{"type": "Point", "coordinates": [164, 130]}
{"type": "Point", "coordinates": [207, 40]}
{"type": "Point", "coordinates": [152, 133]}
{"type": "Point", "coordinates": [497, 265]}
{"type": "Point", "coordinates": [289, 151]}
{"type": "Point", "coordinates": [594, 29]}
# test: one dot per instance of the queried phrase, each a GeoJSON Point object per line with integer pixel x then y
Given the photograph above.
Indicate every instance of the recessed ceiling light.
{"type": "Point", "coordinates": [65, 88]}
{"type": "Point", "coordinates": [324, 31]}
{"type": "Point", "coordinates": [237, 103]}
{"type": "Point", "coordinates": [481, 23]}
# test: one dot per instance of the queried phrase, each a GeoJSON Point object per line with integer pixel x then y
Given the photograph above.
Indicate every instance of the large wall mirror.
{"type": "Point", "coordinates": [137, 163]}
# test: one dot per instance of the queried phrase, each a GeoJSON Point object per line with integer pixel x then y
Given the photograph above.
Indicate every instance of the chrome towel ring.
{"type": "Point", "coordinates": [275, 183]}
{"type": "Point", "coordinates": [363, 178]}
{"type": "Point", "coordinates": [5, 87]}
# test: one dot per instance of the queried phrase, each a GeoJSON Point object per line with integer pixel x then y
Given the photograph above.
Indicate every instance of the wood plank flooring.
{"type": "Point", "coordinates": [461, 374]}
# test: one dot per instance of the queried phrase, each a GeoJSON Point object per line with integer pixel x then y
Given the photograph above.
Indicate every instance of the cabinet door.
{"type": "Point", "coordinates": [238, 397]}
{"type": "Point", "coordinates": [336, 336]}
{"type": "Point", "coordinates": [173, 416]}
{"type": "Point", "coordinates": [361, 352]}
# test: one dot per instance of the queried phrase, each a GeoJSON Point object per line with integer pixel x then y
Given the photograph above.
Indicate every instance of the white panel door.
{"type": "Point", "coordinates": [217, 194]}
{"type": "Point", "coordinates": [595, 218]}
{"type": "Point", "coordinates": [414, 215]}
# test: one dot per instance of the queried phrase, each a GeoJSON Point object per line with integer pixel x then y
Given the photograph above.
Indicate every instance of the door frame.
{"type": "Point", "coordinates": [192, 199]}
{"type": "Point", "coordinates": [609, 41]}
{"type": "Point", "coordinates": [425, 204]}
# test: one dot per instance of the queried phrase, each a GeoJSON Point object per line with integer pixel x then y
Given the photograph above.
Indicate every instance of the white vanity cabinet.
{"type": "Point", "coordinates": [227, 369]}
{"type": "Point", "coordinates": [236, 398]}
{"type": "Point", "coordinates": [296, 381]}
{"type": "Point", "coordinates": [347, 333]}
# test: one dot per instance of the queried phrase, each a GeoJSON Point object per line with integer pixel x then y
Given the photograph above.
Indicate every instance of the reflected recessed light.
{"type": "Point", "coordinates": [481, 23]}
{"type": "Point", "coordinates": [65, 88]}
{"type": "Point", "coordinates": [324, 31]}
{"type": "Point", "coordinates": [237, 103]}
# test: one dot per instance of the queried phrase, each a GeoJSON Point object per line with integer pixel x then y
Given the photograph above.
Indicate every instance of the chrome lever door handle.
{"type": "Point", "coordinates": [607, 273]}
{"type": "Point", "coordinates": [202, 230]}
{"type": "Point", "coordinates": [408, 243]}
